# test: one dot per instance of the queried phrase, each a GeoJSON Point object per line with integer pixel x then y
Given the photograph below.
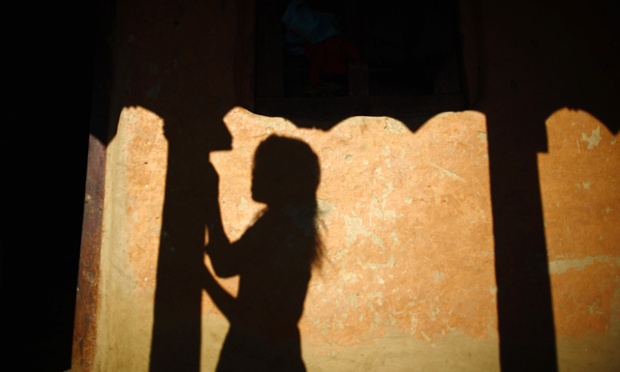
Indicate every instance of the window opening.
{"type": "Point", "coordinates": [397, 57]}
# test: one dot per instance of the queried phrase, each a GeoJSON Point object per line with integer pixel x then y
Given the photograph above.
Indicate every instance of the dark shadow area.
{"type": "Point", "coordinates": [176, 84]}
{"type": "Point", "coordinates": [178, 93]}
{"type": "Point", "coordinates": [525, 313]}
{"type": "Point", "coordinates": [45, 156]}
{"type": "Point", "coordinates": [178, 297]}
{"type": "Point", "coordinates": [47, 86]}
{"type": "Point", "coordinates": [524, 302]}
{"type": "Point", "coordinates": [516, 116]}
{"type": "Point", "coordinates": [273, 260]}
{"type": "Point", "coordinates": [193, 127]}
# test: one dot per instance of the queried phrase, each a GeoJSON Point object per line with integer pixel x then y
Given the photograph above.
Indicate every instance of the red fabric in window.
{"type": "Point", "coordinates": [330, 57]}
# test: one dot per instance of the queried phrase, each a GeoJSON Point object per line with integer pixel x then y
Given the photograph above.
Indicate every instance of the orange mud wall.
{"type": "Point", "coordinates": [408, 219]}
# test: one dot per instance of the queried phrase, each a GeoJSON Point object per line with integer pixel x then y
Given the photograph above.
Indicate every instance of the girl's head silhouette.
{"type": "Point", "coordinates": [286, 176]}
{"type": "Point", "coordinates": [286, 172]}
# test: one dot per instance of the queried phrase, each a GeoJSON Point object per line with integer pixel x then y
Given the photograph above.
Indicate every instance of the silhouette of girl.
{"type": "Point", "coordinates": [274, 259]}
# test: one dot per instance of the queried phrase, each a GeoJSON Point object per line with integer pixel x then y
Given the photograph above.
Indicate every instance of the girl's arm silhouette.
{"type": "Point", "coordinates": [221, 251]}
{"type": "Point", "coordinates": [216, 248]}
{"type": "Point", "coordinates": [224, 301]}
{"type": "Point", "coordinates": [219, 247]}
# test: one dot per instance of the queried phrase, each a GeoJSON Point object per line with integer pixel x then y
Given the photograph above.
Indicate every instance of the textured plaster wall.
{"type": "Point", "coordinates": [408, 274]}
{"type": "Point", "coordinates": [397, 279]}
{"type": "Point", "coordinates": [136, 168]}
{"type": "Point", "coordinates": [408, 278]}
{"type": "Point", "coordinates": [580, 186]}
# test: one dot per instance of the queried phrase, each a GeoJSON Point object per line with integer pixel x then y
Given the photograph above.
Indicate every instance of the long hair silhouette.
{"type": "Point", "coordinates": [273, 259]}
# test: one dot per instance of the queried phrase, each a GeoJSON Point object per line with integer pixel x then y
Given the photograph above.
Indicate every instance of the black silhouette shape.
{"type": "Point", "coordinates": [273, 259]}
{"type": "Point", "coordinates": [514, 178]}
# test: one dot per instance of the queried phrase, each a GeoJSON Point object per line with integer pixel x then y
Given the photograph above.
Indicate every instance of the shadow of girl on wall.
{"type": "Point", "coordinates": [274, 260]}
